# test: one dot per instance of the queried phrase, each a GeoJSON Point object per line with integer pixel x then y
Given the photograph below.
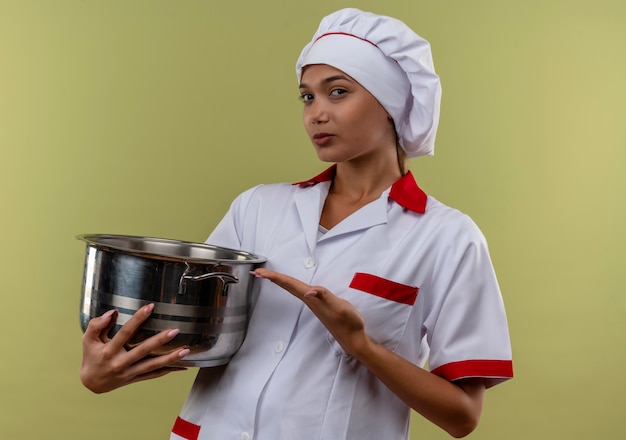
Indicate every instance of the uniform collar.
{"type": "Point", "coordinates": [404, 191]}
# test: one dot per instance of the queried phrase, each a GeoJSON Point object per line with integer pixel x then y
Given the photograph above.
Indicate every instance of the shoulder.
{"type": "Point", "coordinates": [266, 195]}
{"type": "Point", "coordinates": [448, 222]}
{"type": "Point", "coordinates": [265, 190]}
{"type": "Point", "coordinates": [281, 189]}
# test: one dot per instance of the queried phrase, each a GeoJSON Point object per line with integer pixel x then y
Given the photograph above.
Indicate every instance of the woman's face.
{"type": "Point", "coordinates": [343, 120]}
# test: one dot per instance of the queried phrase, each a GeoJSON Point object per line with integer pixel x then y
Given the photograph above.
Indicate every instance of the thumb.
{"type": "Point", "coordinates": [320, 294]}
{"type": "Point", "coordinates": [312, 293]}
{"type": "Point", "coordinates": [98, 328]}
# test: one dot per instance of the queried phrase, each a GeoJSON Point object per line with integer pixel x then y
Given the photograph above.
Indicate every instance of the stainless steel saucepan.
{"type": "Point", "coordinates": [205, 291]}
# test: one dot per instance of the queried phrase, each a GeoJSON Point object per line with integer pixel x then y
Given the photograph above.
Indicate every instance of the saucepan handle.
{"type": "Point", "coordinates": [224, 277]}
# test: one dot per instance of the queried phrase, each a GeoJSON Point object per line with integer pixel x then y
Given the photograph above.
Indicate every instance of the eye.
{"type": "Point", "coordinates": [306, 97]}
{"type": "Point", "coordinates": [338, 92]}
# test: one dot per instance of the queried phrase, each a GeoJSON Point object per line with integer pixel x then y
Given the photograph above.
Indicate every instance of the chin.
{"type": "Point", "coordinates": [326, 155]}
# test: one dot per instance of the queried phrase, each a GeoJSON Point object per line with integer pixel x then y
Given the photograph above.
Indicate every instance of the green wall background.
{"type": "Point", "coordinates": [148, 117]}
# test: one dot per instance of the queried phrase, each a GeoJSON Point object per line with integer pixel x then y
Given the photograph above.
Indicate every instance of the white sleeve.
{"type": "Point", "coordinates": [229, 232]}
{"type": "Point", "coordinates": [466, 323]}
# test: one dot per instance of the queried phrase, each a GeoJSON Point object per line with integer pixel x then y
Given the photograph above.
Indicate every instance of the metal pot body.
{"type": "Point", "coordinates": [204, 291]}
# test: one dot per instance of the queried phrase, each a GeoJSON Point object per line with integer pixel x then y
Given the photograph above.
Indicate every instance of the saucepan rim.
{"type": "Point", "coordinates": [111, 242]}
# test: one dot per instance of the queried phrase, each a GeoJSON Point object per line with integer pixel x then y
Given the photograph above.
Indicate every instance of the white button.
{"type": "Point", "coordinates": [245, 436]}
{"type": "Point", "coordinates": [309, 262]}
{"type": "Point", "coordinates": [278, 347]}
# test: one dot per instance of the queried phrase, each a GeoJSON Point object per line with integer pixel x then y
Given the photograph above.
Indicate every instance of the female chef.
{"type": "Point", "coordinates": [381, 276]}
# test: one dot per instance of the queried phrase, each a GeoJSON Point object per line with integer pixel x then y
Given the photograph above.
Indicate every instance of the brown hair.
{"type": "Point", "coordinates": [403, 160]}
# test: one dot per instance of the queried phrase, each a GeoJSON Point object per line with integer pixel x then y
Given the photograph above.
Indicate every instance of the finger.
{"type": "Point", "coordinates": [98, 325]}
{"type": "Point", "coordinates": [156, 373]}
{"type": "Point", "coordinates": [104, 334]}
{"type": "Point", "coordinates": [166, 361]}
{"type": "Point", "coordinates": [292, 285]}
{"type": "Point", "coordinates": [152, 344]}
{"type": "Point", "coordinates": [124, 334]}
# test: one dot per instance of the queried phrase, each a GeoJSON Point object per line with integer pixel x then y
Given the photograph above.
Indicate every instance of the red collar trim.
{"type": "Point", "coordinates": [324, 176]}
{"type": "Point", "coordinates": [404, 191]}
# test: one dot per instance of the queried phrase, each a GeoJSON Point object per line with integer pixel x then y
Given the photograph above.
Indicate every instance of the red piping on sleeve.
{"type": "Point", "coordinates": [495, 371]}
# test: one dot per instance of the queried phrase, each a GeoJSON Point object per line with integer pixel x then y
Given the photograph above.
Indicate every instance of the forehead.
{"type": "Point", "coordinates": [315, 73]}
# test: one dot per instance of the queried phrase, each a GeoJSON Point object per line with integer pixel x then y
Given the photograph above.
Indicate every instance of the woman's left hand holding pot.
{"type": "Point", "coordinates": [107, 364]}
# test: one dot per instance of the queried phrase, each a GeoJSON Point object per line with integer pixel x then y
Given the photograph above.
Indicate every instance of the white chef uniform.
{"type": "Point", "coordinates": [418, 271]}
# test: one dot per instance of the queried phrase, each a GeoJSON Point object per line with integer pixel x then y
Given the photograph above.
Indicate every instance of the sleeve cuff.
{"type": "Point", "coordinates": [494, 371]}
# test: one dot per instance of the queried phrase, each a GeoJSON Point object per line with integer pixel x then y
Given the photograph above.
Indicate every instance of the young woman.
{"type": "Point", "coordinates": [380, 277]}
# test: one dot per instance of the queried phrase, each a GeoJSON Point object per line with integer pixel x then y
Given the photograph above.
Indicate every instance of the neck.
{"type": "Point", "coordinates": [354, 186]}
{"type": "Point", "coordinates": [365, 180]}
{"type": "Point", "coordinates": [358, 183]}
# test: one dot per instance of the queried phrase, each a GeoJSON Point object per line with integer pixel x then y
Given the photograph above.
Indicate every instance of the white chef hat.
{"type": "Point", "coordinates": [391, 61]}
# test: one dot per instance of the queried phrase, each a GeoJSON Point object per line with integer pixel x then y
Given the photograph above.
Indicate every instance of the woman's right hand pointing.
{"type": "Point", "coordinates": [107, 364]}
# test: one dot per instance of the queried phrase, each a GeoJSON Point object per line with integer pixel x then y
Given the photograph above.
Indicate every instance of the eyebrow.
{"type": "Point", "coordinates": [328, 80]}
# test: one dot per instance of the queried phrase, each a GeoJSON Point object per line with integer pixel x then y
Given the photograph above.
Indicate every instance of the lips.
{"type": "Point", "coordinates": [322, 138]}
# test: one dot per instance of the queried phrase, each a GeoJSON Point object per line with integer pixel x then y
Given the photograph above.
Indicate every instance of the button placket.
{"type": "Point", "coordinates": [309, 262]}
{"type": "Point", "coordinates": [279, 347]}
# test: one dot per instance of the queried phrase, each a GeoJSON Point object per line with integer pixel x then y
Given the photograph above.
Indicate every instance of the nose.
{"type": "Point", "coordinates": [316, 113]}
